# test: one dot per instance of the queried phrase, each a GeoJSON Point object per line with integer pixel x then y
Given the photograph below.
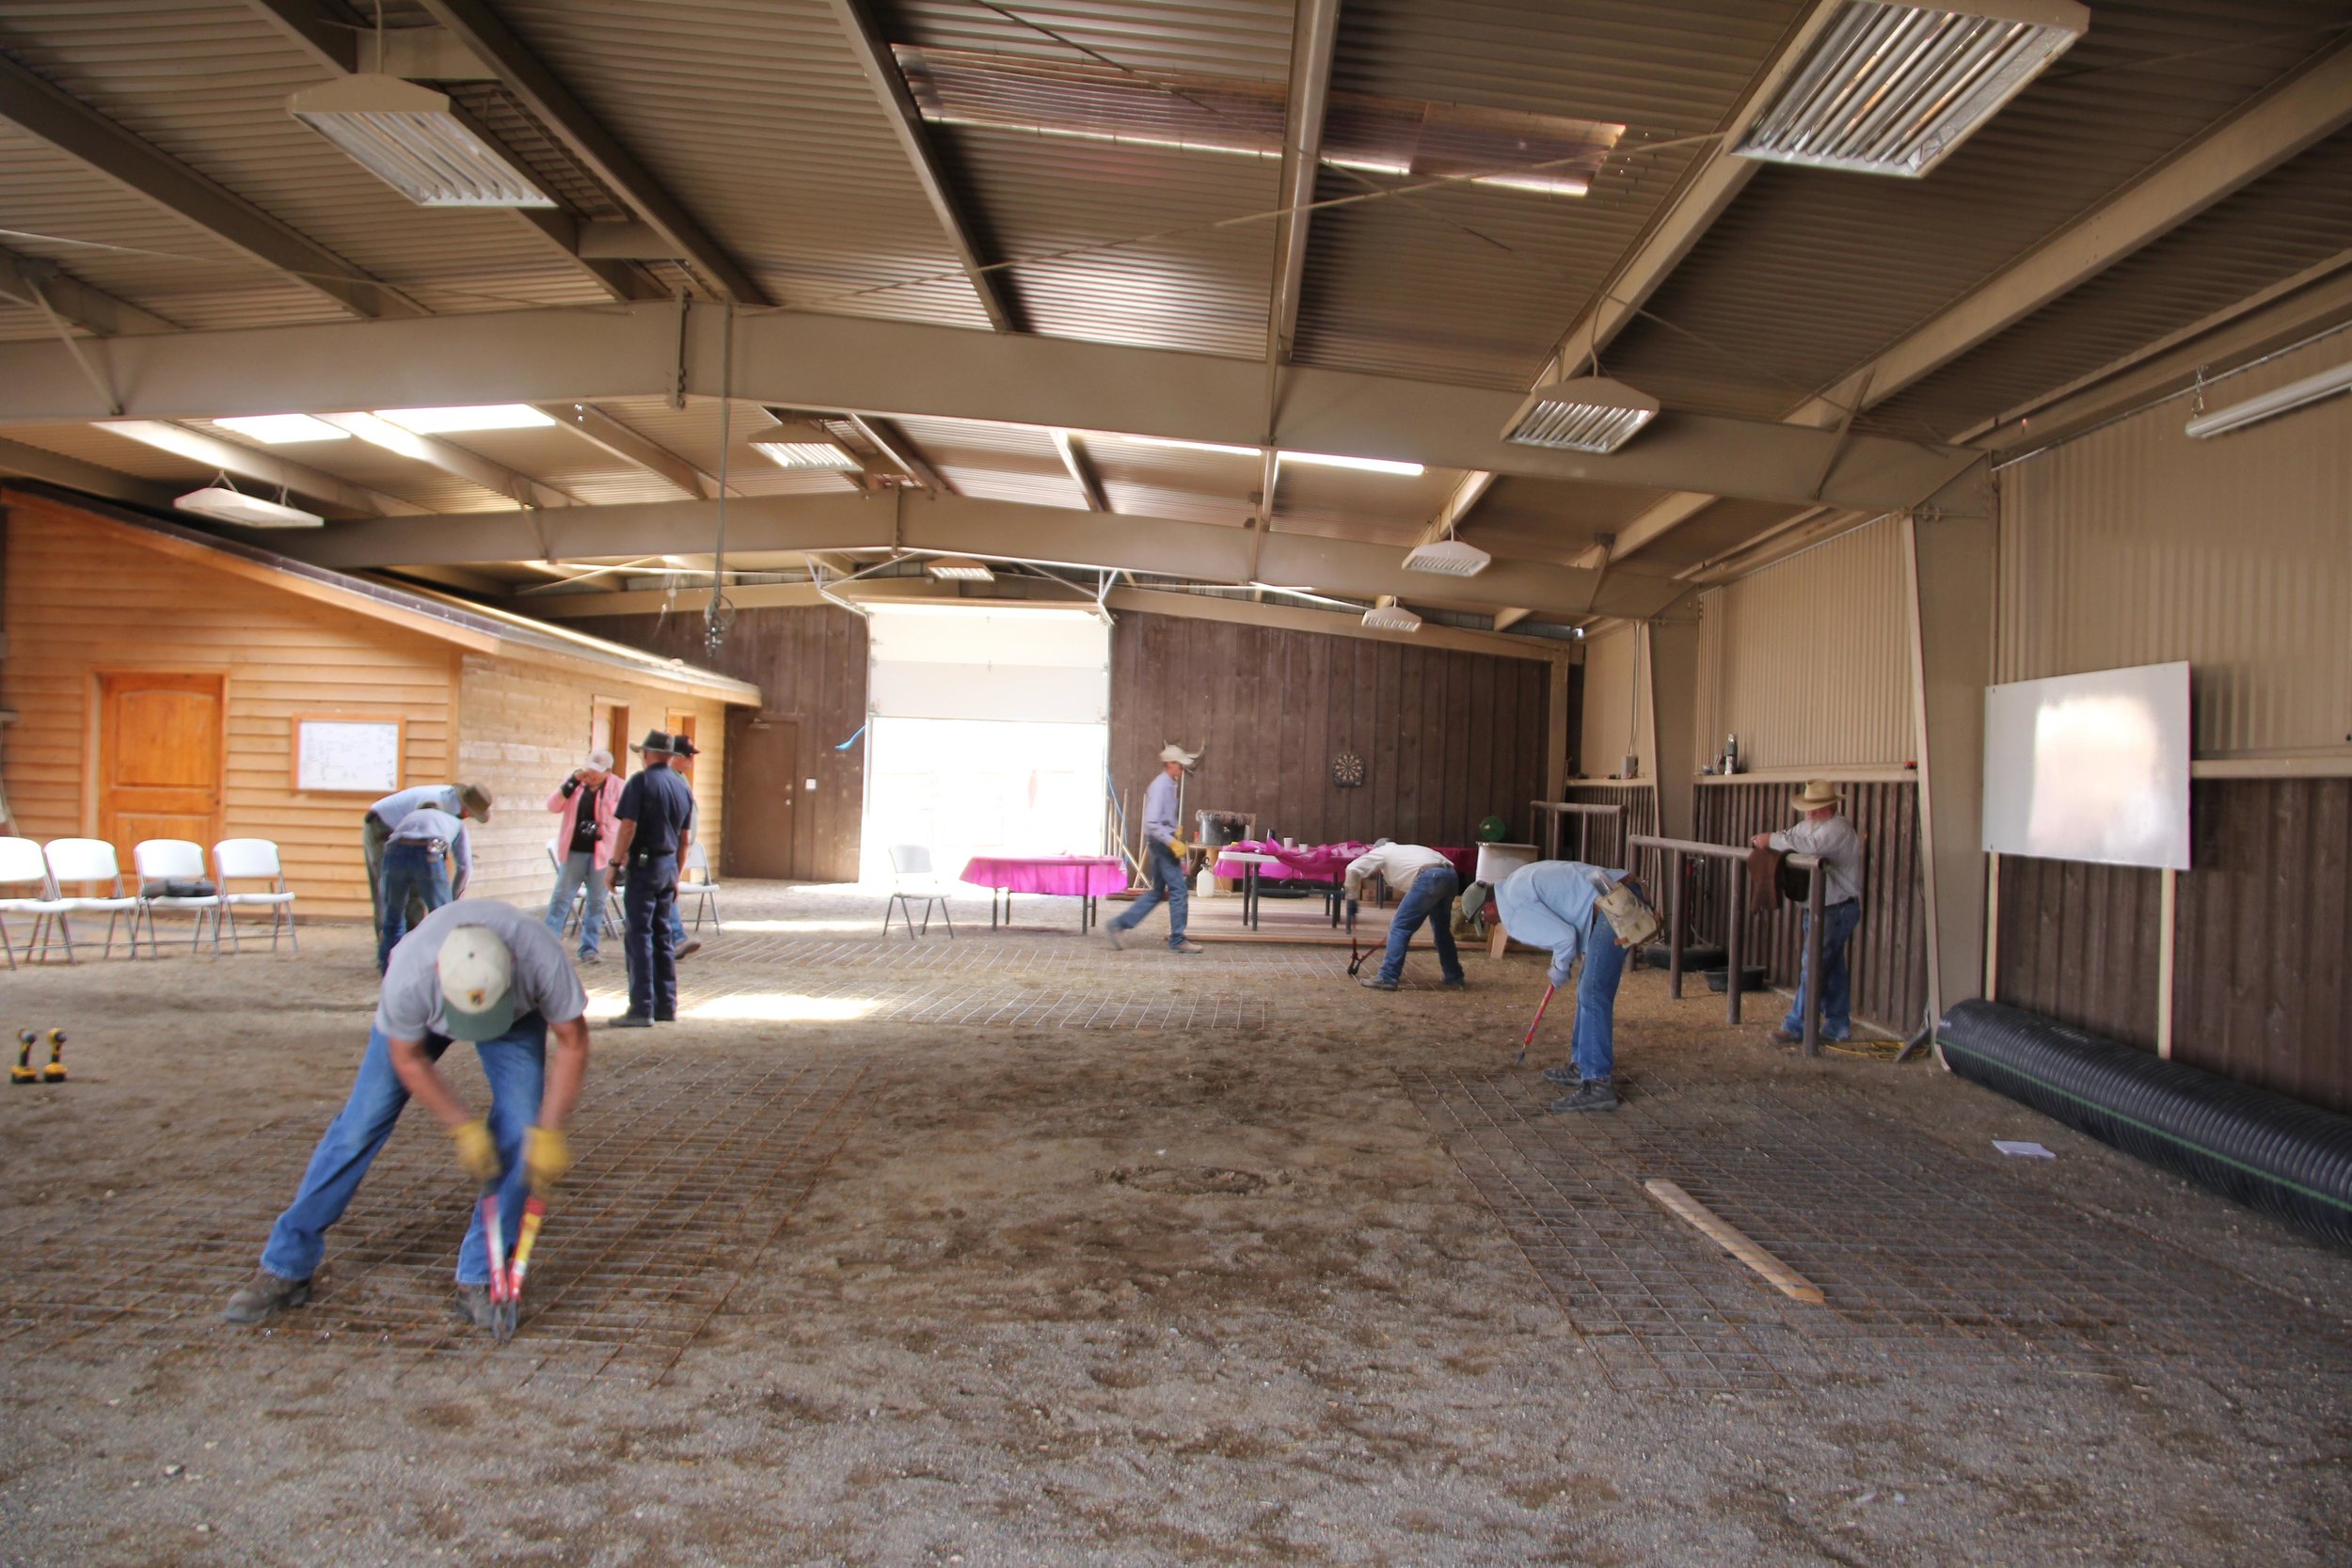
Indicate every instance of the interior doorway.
{"type": "Point", "coordinates": [763, 796]}
{"type": "Point", "coordinates": [608, 731]}
{"type": "Point", "coordinates": [159, 759]}
{"type": "Point", "coordinates": [681, 726]}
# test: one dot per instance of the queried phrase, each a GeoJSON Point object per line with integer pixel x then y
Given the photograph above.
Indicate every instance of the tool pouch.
{"type": "Point", "coordinates": [1634, 922]}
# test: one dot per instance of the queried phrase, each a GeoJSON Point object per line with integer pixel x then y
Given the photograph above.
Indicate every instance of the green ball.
{"type": "Point", "coordinates": [1493, 831]}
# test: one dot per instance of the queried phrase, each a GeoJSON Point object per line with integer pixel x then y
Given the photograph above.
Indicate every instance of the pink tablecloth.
{"type": "Point", "coordinates": [1070, 876]}
{"type": "Point", "coordinates": [1324, 862]}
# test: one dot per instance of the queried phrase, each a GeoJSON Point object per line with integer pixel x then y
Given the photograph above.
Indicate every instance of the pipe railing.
{"type": "Point", "coordinates": [1584, 812]}
{"type": "Point", "coordinates": [1736, 923]}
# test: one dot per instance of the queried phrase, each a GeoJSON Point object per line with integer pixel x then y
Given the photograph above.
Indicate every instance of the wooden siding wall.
{"type": "Point", "coordinates": [1889, 955]}
{"type": "Point", "coordinates": [523, 725]}
{"type": "Point", "coordinates": [2263, 964]}
{"type": "Point", "coordinates": [1447, 737]}
{"type": "Point", "coordinates": [810, 665]}
{"type": "Point", "coordinates": [82, 598]}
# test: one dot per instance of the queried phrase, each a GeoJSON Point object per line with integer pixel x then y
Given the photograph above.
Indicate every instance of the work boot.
{"type": "Point", "coordinates": [630, 1020]}
{"type": "Point", "coordinates": [1374, 982]}
{"type": "Point", "coordinates": [1456, 982]}
{"type": "Point", "coordinates": [471, 1304]}
{"type": "Point", "coordinates": [264, 1296]}
{"type": "Point", "coordinates": [592, 956]}
{"type": "Point", "coordinates": [1783, 1037]}
{"type": "Point", "coordinates": [694, 946]}
{"type": "Point", "coordinates": [1593, 1094]}
{"type": "Point", "coordinates": [1111, 934]}
{"type": "Point", "coordinates": [1565, 1075]}
{"type": "Point", "coordinates": [1188, 947]}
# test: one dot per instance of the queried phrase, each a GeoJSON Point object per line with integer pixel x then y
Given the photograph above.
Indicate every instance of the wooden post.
{"type": "Point", "coordinates": [1810, 977]}
{"type": "Point", "coordinates": [2166, 938]}
{"type": "Point", "coordinates": [1735, 928]}
{"type": "Point", "coordinates": [1674, 919]}
{"type": "Point", "coordinates": [1992, 925]}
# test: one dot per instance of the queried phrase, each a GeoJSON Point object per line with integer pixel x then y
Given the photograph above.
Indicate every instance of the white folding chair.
{"type": "Point", "coordinates": [74, 862]}
{"type": "Point", "coordinates": [22, 866]}
{"type": "Point", "coordinates": [254, 860]}
{"type": "Point", "coordinates": [159, 860]}
{"type": "Point", "coordinates": [911, 878]}
{"type": "Point", "coordinates": [613, 920]}
{"type": "Point", "coordinates": [704, 892]}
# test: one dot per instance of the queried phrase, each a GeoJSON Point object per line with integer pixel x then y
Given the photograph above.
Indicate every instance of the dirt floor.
{"type": "Point", "coordinates": [1016, 1249]}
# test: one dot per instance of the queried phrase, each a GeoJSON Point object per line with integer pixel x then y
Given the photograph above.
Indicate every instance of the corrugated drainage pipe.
{"type": "Point", "coordinates": [2269, 1152]}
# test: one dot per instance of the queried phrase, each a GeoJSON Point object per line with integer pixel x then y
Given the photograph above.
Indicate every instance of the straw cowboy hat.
{"type": "Point", "coordinates": [1815, 795]}
{"type": "Point", "coordinates": [1173, 752]}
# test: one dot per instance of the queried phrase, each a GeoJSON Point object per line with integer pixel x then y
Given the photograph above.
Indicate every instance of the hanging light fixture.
{"type": "Point", "coordinates": [409, 137]}
{"type": "Point", "coordinates": [1448, 558]}
{"type": "Point", "coordinates": [222, 504]}
{"type": "Point", "coordinates": [800, 444]}
{"type": "Point", "coordinates": [1391, 617]}
{"type": "Point", "coordinates": [1585, 413]}
{"type": "Point", "coordinates": [957, 569]}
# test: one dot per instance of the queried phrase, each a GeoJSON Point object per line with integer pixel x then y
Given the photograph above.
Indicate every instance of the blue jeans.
{"type": "Point", "coordinates": [1166, 880]}
{"type": "Point", "coordinates": [409, 870]}
{"type": "Point", "coordinates": [579, 869]}
{"type": "Point", "coordinates": [516, 1065]}
{"type": "Point", "coordinates": [1837, 928]}
{"type": "Point", "coordinates": [1595, 1052]}
{"type": "Point", "coordinates": [650, 903]}
{"type": "Point", "coordinates": [1430, 898]}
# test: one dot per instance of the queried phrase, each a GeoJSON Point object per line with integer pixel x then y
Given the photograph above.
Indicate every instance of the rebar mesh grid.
{"type": "Point", "coordinates": [688, 1168]}
{"type": "Point", "coordinates": [787, 991]}
{"type": "Point", "coordinates": [1924, 1255]}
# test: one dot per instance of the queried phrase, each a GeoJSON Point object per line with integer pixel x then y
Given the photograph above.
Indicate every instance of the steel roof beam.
{"type": "Point", "coordinates": [36, 282]}
{"type": "Point", "coordinates": [1082, 474]}
{"type": "Point", "coordinates": [79, 131]}
{"type": "Point", "coordinates": [17, 457]}
{"type": "Point", "coordinates": [264, 468]}
{"type": "Point", "coordinates": [1311, 39]}
{"type": "Point", "coordinates": [594, 425]}
{"type": "Point", "coordinates": [480, 30]}
{"type": "Point", "coordinates": [452, 459]}
{"type": "Point", "coordinates": [906, 123]}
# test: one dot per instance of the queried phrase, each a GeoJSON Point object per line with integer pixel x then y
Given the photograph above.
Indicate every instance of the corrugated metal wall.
{"type": "Point", "coordinates": [2136, 545]}
{"type": "Point", "coordinates": [1808, 660]}
{"type": "Point", "coordinates": [1616, 717]}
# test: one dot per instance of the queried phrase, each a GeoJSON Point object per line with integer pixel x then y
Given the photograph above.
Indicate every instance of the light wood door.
{"type": "Point", "coordinates": [159, 755]}
{"type": "Point", "coordinates": [608, 731]}
{"type": "Point", "coordinates": [763, 763]}
{"type": "Point", "coordinates": [682, 724]}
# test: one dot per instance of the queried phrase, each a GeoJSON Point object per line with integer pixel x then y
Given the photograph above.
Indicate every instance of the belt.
{"type": "Point", "coordinates": [435, 846]}
{"type": "Point", "coordinates": [1841, 903]}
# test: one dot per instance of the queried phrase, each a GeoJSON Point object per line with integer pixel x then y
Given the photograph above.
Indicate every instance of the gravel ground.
{"type": "Point", "coordinates": [1096, 1296]}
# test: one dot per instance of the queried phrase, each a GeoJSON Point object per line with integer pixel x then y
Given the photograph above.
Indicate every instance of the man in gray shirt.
{"type": "Point", "coordinates": [376, 823]}
{"type": "Point", "coordinates": [1826, 832]}
{"type": "Point", "coordinates": [478, 970]}
{"type": "Point", "coordinates": [1163, 873]}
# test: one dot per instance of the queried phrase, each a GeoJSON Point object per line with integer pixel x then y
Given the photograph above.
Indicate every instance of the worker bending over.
{"type": "Point", "coordinates": [1164, 873]}
{"type": "Point", "coordinates": [1429, 883]}
{"type": "Point", "coordinates": [461, 800]}
{"type": "Point", "coordinates": [1555, 904]}
{"type": "Point", "coordinates": [478, 970]}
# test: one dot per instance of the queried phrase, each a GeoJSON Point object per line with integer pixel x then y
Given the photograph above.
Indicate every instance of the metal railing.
{"type": "Point", "coordinates": [1735, 922]}
{"type": "Point", "coordinates": [1583, 812]}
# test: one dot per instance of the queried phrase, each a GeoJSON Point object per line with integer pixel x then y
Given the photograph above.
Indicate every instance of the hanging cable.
{"type": "Point", "coordinates": [720, 614]}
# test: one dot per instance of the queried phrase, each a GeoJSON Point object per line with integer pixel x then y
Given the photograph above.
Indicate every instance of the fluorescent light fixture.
{"type": "Point", "coordinates": [452, 421]}
{"type": "Point", "coordinates": [1893, 90]}
{"type": "Point", "coordinates": [957, 569]}
{"type": "Point", "coordinates": [1363, 464]}
{"type": "Point", "coordinates": [799, 444]}
{"type": "Point", "coordinates": [1191, 446]}
{"type": "Point", "coordinates": [1449, 558]}
{"type": "Point", "coordinates": [406, 135]}
{"type": "Point", "coordinates": [1586, 413]}
{"type": "Point", "coordinates": [223, 504]}
{"type": "Point", "coordinates": [1391, 617]}
{"type": "Point", "coordinates": [279, 430]}
{"type": "Point", "coordinates": [2295, 394]}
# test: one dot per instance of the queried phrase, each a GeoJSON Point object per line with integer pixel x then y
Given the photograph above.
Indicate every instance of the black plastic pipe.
{"type": "Point", "coordinates": [2269, 1152]}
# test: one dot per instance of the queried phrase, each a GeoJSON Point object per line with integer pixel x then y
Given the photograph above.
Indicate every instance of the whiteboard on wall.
{"type": "Point", "coordinates": [335, 754]}
{"type": "Point", "coordinates": [2090, 768]}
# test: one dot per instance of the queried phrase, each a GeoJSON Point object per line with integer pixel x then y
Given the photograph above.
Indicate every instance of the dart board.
{"type": "Point", "coordinates": [1347, 770]}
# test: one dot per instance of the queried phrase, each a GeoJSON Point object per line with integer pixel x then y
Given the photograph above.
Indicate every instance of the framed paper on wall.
{"type": "Point", "coordinates": [338, 754]}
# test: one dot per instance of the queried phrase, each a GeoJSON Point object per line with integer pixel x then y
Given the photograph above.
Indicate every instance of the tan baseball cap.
{"type": "Point", "coordinates": [477, 973]}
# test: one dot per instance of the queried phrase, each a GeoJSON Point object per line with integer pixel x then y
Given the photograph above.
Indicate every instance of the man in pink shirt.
{"type": "Point", "coordinates": [583, 847]}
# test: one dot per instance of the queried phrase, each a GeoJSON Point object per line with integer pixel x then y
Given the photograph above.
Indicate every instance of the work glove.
{"type": "Point", "coordinates": [547, 1158]}
{"type": "Point", "coordinates": [476, 1151]}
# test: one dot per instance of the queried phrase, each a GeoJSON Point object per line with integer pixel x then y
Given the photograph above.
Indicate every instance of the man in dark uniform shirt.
{"type": "Point", "coordinates": [656, 818]}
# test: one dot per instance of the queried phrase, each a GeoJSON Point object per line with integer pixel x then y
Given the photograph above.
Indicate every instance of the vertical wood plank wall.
{"type": "Point", "coordinates": [811, 665]}
{"type": "Point", "coordinates": [1605, 843]}
{"type": "Point", "coordinates": [1888, 957]}
{"type": "Point", "coordinates": [80, 599]}
{"type": "Point", "coordinates": [1447, 738]}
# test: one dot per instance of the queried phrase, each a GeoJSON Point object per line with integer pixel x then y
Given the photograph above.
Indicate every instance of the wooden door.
{"type": "Point", "coordinates": [762, 788]}
{"type": "Point", "coordinates": [682, 726]}
{"type": "Point", "coordinates": [608, 731]}
{"type": "Point", "coordinates": [159, 756]}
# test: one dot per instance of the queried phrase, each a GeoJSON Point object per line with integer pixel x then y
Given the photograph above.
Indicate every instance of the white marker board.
{"type": "Point", "coordinates": [2090, 768]}
{"type": "Point", "coordinates": [344, 755]}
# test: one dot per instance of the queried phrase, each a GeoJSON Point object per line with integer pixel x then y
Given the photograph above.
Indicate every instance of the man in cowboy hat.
{"type": "Point", "coordinates": [1825, 833]}
{"type": "Point", "coordinates": [461, 800]}
{"type": "Point", "coordinates": [1162, 870]}
{"type": "Point", "coordinates": [681, 946]}
{"type": "Point", "coordinates": [655, 815]}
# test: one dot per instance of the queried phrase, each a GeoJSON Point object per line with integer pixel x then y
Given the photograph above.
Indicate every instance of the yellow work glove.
{"type": "Point", "coordinates": [476, 1150]}
{"type": "Point", "coordinates": [547, 1158]}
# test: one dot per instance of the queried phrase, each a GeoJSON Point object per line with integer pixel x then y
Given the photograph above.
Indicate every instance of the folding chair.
{"type": "Point", "coordinates": [21, 864]}
{"type": "Point", "coordinates": [613, 920]}
{"type": "Point", "coordinates": [158, 861]}
{"type": "Point", "coordinates": [704, 892]}
{"type": "Point", "coordinates": [911, 878]}
{"type": "Point", "coordinates": [251, 859]}
{"type": "Point", "coordinates": [75, 860]}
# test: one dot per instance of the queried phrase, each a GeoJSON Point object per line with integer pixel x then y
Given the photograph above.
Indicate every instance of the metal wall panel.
{"type": "Point", "coordinates": [1808, 660]}
{"type": "Point", "coordinates": [1616, 714]}
{"type": "Point", "coordinates": [2136, 545]}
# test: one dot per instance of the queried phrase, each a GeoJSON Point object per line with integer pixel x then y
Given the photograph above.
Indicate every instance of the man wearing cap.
{"type": "Point", "coordinates": [417, 856]}
{"type": "Point", "coordinates": [1827, 832]}
{"type": "Point", "coordinates": [681, 946]}
{"type": "Point", "coordinates": [583, 847]}
{"type": "Point", "coordinates": [1163, 873]}
{"type": "Point", "coordinates": [1556, 904]}
{"type": "Point", "coordinates": [1429, 884]}
{"type": "Point", "coordinates": [656, 816]}
{"type": "Point", "coordinates": [460, 800]}
{"type": "Point", "coordinates": [482, 972]}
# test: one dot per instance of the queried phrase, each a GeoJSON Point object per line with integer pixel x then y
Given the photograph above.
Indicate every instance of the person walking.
{"type": "Point", "coordinates": [1164, 874]}
{"type": "Point", "coordinates": [1555, 904]}
{"type": "Point", "coordinates": [1824, 830]}
{"type": "Point", "coordinates": [1430, 884]}
{"type": "Point", "coordinates": [477, 971]}
{"type": "Point", "coordinates": [583, 847]}
{"type": "Point", "coordinates": [417, 856]}
{"type": "Point", "coordinates": [655, 815]}
{"type": "Point", "coordinates": [461, 800]}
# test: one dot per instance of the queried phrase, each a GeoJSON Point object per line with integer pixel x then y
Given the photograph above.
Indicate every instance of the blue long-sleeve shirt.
{"type": "Point", "coordinates": [1552, 904]}
{"type": "Point", "coordinates": [1159, 809]}
{"type": "Point", "coordinates": [394, 809]}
